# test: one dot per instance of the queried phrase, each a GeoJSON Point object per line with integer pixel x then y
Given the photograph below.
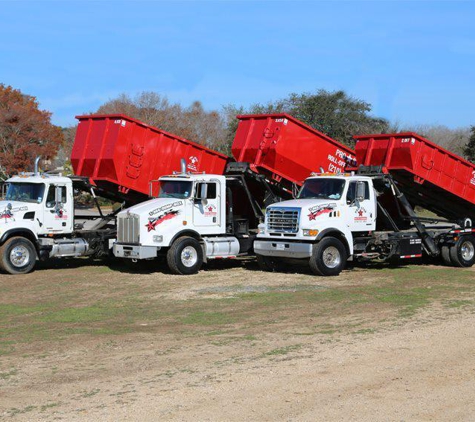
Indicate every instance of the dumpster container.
{"type": "Point", "coordinates": [286, 150]}
{"type": "Point", "coordinates": [122, 155]}
{"type": "Point", "coordinates": [429, 175]}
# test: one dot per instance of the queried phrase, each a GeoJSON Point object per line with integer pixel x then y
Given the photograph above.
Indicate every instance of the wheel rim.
{"type": "Point", "coordinates": [331, 257]}
{"type": "Point", "coordinates": [189, 256]}
{"type": "Point", "coordinates": [19, 256]}
{"type": "Point", "coordinates": [467, 250]}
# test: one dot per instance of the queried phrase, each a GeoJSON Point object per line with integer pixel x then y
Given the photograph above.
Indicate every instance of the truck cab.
{"type": "Point", "coordinates": [320, 224]}
{"type": "Point", "coordinates": [190, 222]}
{"type": "Point", "coordinates": [40, 203]}
{"type": "Point", "coordinates": [36, 207]}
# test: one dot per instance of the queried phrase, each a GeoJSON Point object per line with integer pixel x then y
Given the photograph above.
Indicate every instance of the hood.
{"type": "Point", "coordinates": [17, 210]}
{"type": "Point", "coordinates": [303, 203]}
{"type": "Point", "coordinates": [155, 206]}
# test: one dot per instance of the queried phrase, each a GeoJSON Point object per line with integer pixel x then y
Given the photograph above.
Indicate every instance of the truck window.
{"type": "Point", "coordinates": [322, 188]}
{"type": "Point", "coordinates": [51, 198]}
{"type": "Point", "coordinates": [175, 189]}
{"type": "Point", "coordinates": [351, 195]}
{"type": "Point", "coordinates": [211, 191]}
{"type": "Point", "coordinates": [25, 192]}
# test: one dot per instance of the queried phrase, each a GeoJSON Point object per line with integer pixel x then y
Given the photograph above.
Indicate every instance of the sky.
{"type": "Point", "coordinates": [413, 61]}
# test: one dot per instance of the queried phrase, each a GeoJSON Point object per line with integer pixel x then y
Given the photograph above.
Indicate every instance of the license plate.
{"type": "Point", "coordinates": [280, 246]}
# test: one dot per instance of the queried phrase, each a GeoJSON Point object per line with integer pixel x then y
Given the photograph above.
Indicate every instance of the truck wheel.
{"type": "Point", "coordinates": [268, 263]}
{"type": "Point", "coordinates": [445, 254]}
{"type": "Point", "coordinates": [328, 257]}
{"type": "Point", "coordinates": [17, 256]}
{"type": "Point", "coordinates": [185, 256]}
{"type": "Point", "coordinates": [462, 254]}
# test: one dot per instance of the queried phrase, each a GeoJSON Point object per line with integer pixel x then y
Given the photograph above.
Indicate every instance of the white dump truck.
{"type": "Point", "coordinates": [370, 214]}
{"type": "Point", "coordinates": [195, 218]}
{"type": "Point", "coordinates": [38, 221]}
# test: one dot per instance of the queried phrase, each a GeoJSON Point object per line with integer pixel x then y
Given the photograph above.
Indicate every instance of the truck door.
{"type": "Point", "coordinates": [362, 209]}
{"type": "Point", "coordinates": [58, 215]}
{"type": "Point", "coordinates": [206, 206]}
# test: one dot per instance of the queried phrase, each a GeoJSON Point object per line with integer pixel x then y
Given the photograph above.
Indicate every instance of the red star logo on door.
{"type": "Point", "coordinates": [210, 209]}
{"type": "Point", "coordinates": [360, 213]}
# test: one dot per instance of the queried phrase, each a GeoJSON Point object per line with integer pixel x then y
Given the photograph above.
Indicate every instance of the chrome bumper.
{"type": "Point", "coordinates": [135, 251]}
{"type": "Point", "coordinates": [283, 249]}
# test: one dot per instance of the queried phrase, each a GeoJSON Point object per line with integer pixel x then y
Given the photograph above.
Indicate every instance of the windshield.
{"type": "Point", "coordinates": [175, 189]}
{"type": "Point", "coordinates": [322, 188]}
{"type": "Point", "coordinates": [25, 192]}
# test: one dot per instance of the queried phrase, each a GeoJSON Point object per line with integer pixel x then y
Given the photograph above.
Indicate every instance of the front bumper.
{"type": "Point", "coordinates": [283, 249]}
{"type": "Point", "coordinates": [135, 251]}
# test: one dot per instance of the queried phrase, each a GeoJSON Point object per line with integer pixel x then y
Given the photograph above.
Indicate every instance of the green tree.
{"type": "Point", "coordinates": [469, 150]}
{"type": "Point", "coordinates": [334, 113]}
{"type": "Point", "coordinates": [25, 132]}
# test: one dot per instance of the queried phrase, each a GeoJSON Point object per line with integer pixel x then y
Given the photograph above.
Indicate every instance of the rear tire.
{"type": "Point", "coordinates": [185, 256]}
{"type": "Point", "coordinates": [462, 254]}
{"type": "Point", "coordinates": [445, 254]}
{"type": "Point", "coordinates": [17, 256]}
{"type": "Point", "coordinates": [268, 263]}
{"type": "Point", "coordinates": [329, 257]}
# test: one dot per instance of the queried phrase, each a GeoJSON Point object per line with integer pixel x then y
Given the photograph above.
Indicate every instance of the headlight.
{"type": "Point", "coordinates": [310, 232]}
{"type": "Point", "coordinates": [261, 228]}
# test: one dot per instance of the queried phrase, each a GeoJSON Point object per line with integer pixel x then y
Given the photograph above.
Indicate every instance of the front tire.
{"type": "Point", "coordinates": [185, 256]}
{"type": "Point", "coordinates": [462, 254]}
{"type": "Point", "coordinates": [445, 254]}
{"type": "Point", "coordinates": [17, 256]}
{"type": "Point", "coordinates": [329, 257]}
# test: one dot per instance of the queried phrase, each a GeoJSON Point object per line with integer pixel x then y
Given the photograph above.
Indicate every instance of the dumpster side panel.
{"type": "Point", "coordinates": [431, 176]}
{"type": "Point", "coordinates": [123, 155]}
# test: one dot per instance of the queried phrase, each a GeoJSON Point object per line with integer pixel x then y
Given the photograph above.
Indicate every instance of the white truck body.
{"type": "Point", "coordinates": [37, 221]}
{"type": "Point", "coordinates": [189, 222]}
{"type": "Point", "coordinates": [335, 218]}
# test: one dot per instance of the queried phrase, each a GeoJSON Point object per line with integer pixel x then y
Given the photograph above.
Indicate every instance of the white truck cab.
{"type": "Point", "coordinates": [320, 224]}
{"type": "Point", "coordinates": [43, 204]}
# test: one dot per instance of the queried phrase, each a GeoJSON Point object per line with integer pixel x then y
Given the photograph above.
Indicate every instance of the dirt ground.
{"type": "Point", "coordinates": [235, 344]}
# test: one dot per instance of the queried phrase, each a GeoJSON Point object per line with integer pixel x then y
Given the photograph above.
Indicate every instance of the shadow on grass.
{"type": "Point", "coordinates": [248, 263]}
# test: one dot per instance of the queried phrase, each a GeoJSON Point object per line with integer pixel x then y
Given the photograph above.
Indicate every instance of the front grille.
{"type": "Point", "coordinates": [283, 220]}
{"type": "Point", "coordinates": [128, 230]}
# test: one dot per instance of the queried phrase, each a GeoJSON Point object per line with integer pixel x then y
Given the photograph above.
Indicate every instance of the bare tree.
{"type": "Point", "coordinates": [193, 123]}
{"type": "Point", "coordinates": [453, 140]}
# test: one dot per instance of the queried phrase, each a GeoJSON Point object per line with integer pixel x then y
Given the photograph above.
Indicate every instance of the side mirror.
{"type": "Point", "coordinates": [57, 195]}
{"type": "Point", "coordinates": [360, 191]}
{"type": "Point", "coordinates": [204, 191]}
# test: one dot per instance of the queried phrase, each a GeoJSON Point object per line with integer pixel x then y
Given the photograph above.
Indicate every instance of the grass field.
{"type": "Point", "coordinates": [233, 311]}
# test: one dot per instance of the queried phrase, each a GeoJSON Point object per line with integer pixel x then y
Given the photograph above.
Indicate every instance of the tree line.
{"type": "Point", "coordinates": [26, 131]}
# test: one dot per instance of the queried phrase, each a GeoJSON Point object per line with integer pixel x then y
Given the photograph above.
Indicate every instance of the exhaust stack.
{"type": "Point", "coordinates": [183, 165]}
{"type": "Point", "coordinates": [37, 161]}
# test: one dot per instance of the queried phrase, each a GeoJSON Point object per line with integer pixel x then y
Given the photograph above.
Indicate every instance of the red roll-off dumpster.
{"type": "Point", "coordinates": [429, 175]}
{"type": "Point", "coordinates": [122, 155]}
{"type": "Point", "coordinates": [286, 150]}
